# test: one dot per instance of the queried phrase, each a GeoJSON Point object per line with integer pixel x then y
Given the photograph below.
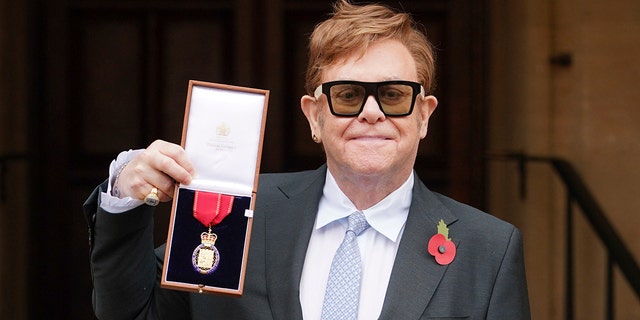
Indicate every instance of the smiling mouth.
{"type": "Point", "coordinates": [372, 138]}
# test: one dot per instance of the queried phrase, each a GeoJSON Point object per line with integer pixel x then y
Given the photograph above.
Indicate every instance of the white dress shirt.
{"type": "Point", "coordinates": [378, 247]}
{"type": "Point", "coordinates": [114, 204]}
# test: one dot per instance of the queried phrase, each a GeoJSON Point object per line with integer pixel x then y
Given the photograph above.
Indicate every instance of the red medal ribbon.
{"type": "Point", "coordinates": [211, 208]}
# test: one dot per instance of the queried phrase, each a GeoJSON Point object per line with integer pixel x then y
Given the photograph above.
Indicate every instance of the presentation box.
{"type": "Point", "coordinates": [210, 225]}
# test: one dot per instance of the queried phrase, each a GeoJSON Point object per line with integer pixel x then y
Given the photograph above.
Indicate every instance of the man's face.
{"type": "Point", "coordinates": [371, 144]}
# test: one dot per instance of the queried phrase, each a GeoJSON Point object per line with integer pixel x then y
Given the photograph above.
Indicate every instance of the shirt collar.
{"type": "Point", "coordinates": [387, 216]}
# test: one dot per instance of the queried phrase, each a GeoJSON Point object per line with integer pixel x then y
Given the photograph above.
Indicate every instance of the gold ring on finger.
{"type": "Point", "coordinates": [152, 198]}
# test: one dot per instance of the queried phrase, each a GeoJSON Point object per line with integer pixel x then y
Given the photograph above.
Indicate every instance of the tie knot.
{"type": "Point", "coordinates": [357, 223]}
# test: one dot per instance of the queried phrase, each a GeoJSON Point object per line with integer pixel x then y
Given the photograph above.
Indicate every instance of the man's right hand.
{"type": "Point", "coordinates": [161, 166]}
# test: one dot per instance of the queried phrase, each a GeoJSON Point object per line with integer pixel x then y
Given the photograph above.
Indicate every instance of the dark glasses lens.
{"type": "Point", "coordinates": [347, 98]}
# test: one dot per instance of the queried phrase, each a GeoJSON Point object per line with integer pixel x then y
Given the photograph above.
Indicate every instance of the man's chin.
{"type": "Point", "coordinates": [367, 168]}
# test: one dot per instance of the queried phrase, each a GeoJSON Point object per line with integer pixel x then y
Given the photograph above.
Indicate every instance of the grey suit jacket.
{"type": "Point", "coordinates": [486, 280]}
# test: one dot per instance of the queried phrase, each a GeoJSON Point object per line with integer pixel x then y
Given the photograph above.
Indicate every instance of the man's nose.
{"type": "Point", "coordinates": [371, 112]}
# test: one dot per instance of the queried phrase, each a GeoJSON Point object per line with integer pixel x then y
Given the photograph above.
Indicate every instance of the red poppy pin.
{"type": "Point", "coordinates": [440, 246]}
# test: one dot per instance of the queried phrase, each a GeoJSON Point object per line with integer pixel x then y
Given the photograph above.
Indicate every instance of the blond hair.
{"type": "Point", "coordinates": [351, 28]}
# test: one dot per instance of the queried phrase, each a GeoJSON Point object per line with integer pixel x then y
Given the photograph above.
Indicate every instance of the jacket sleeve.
{"type": "Point", "coordinates": [125, 269]}
{"type": "Point", "coordinates": [509, 299]}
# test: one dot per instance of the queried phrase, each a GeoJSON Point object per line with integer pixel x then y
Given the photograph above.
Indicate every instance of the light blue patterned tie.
{"type": "Point", "coordinates": [343, 285]}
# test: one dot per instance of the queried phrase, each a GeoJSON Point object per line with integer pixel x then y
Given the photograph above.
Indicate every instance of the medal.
{"type": "Point", "coordinates": [210, 209]}
{"type": "Point", "coordinates": [206, 257]}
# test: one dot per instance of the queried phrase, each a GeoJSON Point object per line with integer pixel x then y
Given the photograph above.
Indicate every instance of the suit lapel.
{"type": "Point", "coordinates": [416, 275]}
{"type": "Point", "coordinates": [289, 224]}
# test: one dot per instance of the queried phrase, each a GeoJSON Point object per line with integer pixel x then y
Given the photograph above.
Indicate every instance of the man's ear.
{"type": "Point", "coordinates": [425, 107]}
{"type": "Point", "coordinates": [312, 107]}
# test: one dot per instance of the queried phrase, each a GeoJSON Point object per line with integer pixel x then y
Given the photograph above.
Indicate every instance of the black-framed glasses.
{"type": "Point", "coordinates": [347, 98]}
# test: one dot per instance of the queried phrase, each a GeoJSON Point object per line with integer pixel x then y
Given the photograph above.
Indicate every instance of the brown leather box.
{"type": "Point", "coordinates": [210, 226]}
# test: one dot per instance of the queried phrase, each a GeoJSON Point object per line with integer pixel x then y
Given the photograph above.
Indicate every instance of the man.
{"type": "Point", "coordinates": [421, 255]}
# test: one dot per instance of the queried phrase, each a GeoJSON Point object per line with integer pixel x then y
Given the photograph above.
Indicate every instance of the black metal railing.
{"type": "Point", "coordinates": [578, 193]}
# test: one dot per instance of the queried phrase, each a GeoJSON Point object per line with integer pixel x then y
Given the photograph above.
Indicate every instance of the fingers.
{"type": "Point", "coordinates": [161, 165]}
{"type": "Point", "coordinates": [173, 161]}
